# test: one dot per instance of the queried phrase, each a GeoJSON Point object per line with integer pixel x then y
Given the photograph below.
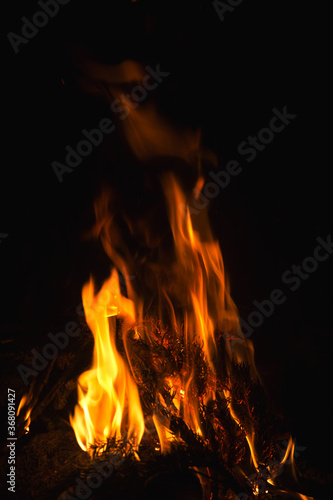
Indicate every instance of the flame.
{"type": "Point", "coordinates": [289, 453]}
{"type": "Point", "coordinates": [166, 437]}
{"type": "Point", "coordinates": [250, 441]}
{"type": "Point", "coordinates": [108, 398]}
{"type": "Point", "coordinates": [207, 304]}
{"type": "Point", "coordinates": [25, 402]}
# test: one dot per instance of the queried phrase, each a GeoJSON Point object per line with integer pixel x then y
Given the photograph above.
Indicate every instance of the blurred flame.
{"type": "Point", "coordinates": [108, 397]}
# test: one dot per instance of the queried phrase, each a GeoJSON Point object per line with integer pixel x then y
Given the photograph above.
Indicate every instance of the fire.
{"type": "Point", "coordinates": [108, 393]}
{"type": "Point", "coordinates": [173, 275]}
{"type": "Point", "coordinates": [182, 286]}
{"type": "Point", "coordinates": [25, 402]}
{"type": "Point", "coordinates": [108, 398]}
{"type": "Point", "coordinates": [166, 437]}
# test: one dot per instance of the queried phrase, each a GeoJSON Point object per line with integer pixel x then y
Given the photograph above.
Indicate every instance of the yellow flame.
{"type": "Point", "coordinates": [108, 398]}
{"type": "Point", "coordinates": [164, 434]}
{"type": "Point", "coordinates": [250, 441]}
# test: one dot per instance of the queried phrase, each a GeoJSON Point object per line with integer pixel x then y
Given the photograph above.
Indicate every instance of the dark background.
{"type": "Point", "coordinates": [226, 76]}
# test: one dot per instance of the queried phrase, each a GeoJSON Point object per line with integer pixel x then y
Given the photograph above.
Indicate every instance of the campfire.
{"type": "Point", "coordinates": [149, 388]}
{"type": "Point", "coordinates": [171, 399]}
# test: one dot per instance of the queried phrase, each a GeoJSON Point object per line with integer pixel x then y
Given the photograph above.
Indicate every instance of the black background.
{"type": "Point", "coordinates": [226, 76]}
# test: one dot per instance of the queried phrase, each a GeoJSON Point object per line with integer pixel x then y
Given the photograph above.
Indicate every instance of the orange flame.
{"type": "Point", "coordinates": [108, 398]}
{"type": "Point", "coordinates": [290, 453]}
{"type": "Point", "coordinates": [24, 402]}
{"type": "Point", "coordinates": [165, 435]}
